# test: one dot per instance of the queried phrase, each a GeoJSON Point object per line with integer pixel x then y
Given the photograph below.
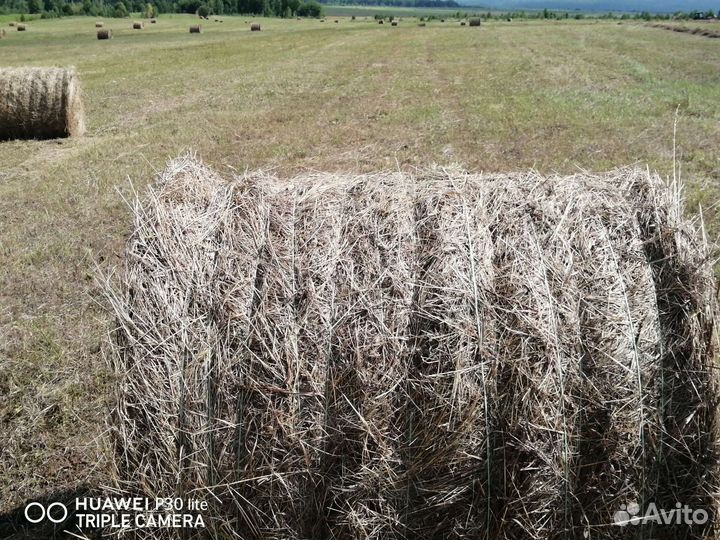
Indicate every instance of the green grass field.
{"type": "Point", "coordinates": [351, 96]}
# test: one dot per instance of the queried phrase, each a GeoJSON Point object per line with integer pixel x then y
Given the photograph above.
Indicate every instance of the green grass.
{"type": "Point", "coordinates": [555, 96]}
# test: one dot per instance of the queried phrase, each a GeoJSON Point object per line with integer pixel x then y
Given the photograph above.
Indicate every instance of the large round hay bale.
{"type": "Point", "coordinates": [138, 25]}
{"type": "Point", "coordinates": [104, 33]}
{"type": "Point", "coordinates": [462, 23]}
{"type": "Point", "coordinates": [255, 27]}
{"type": "Point", "coordinates": [445, 355]}
{"type": "Point", "coordinates": [40, 103]}
{"type": "Point", "coordinates": [474, 21]}
{"type": "Point", "coordinates": [394, 23]}
{"type": "Point", "coordinates": [153, 21]}
{"type": "Point", "coordinates": [12, 24]}
{"type": "Point", "coordinates": [99, 24]}
{"type": "Point", "coordinates": [196, 29]}
{"type": "Point", "coordinates": [421, 24]}
{"type": "Point", "coordinates": [21, 27]}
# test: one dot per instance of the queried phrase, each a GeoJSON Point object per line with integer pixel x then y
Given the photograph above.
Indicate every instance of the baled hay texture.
{"type": "Point", "coordinates": [381, 21]}
{"type": "Point", "coordinates": [393, 23]}
{"type": "Point", "coordinates": [21, 27]}
{"type": "Point", "coordinates": [153, 21]}
{"type": "Point", "coordinates": [11, 24]}
{"type": "Point", "coordinates": [462, 23]}
{"type": "Point", "coordinates": [105, 33]}
{"type": "Point", "coordinates": [138, 25]}
{"type": "Point", "coordinates": [255, 27]}
{"type": "Point", "coordinates": [421, 24]}
{"type": "Point", "coordinates": [99, 24]}
{"type": "Point", "coordinates": [40, 103]}
{"type": "Point", "coordinates": [196, 29]}
{"type": "Point", "coordinates": [474, 22]}
{"type": "Point", "coordinates": [441, 356]}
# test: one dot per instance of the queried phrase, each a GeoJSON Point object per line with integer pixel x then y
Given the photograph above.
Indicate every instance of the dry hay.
{"type": "Point", "coordinates": [40, 103]}
{"type": "Point", "coordinates": [421, 24]}
{"type": "Point", "coordinates": [99, 24]}
{"type": "Point", "coordinates": [255, 27]}
{"type": "Point", "coordinates": [336, 21]}
{"type": "Point", "coordinates": [104, 33]}
{"type": "Point", "coordinates": [138, 25]}
{"type": "Point", "coordinates": [153, 21]}
{"type": "Point", "coordinates": [21, 27]}
{"type": "Point", "coordinates": [389, 356]}
{"type": "Point", "coordinates": [393, 23]}
{"type": "Point", "coordinates": [462, 23]}
{"type": "Point", "coordinates": [196, 29]}
{"type": "Point", "coordinates": [2, 33]}
{"type": "Point", "coordinates": [474, 22]}
{"type": "Point", "coordinates": [11, 24]}
{"type": "Point", "coordinates": [381, 21]}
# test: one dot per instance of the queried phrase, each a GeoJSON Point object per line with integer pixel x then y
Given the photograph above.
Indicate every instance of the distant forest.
{"type": "Point", "coordinates": [397, 3]}
{"type": "Point", "coordinates": [123, 8]}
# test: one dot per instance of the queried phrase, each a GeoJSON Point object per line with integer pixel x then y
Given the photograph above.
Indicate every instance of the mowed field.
{"type": "Point", "coordinates": [346, 96]}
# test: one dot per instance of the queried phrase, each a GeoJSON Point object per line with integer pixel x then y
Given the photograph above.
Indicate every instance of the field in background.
{"type": "Point", "coordinates": [352, 96]}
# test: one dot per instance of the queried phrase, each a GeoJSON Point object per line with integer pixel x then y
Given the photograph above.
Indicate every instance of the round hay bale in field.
{"type": "Point", "coordinates": [439, 355]}
{"type": "Point", "coordinates": [336, 21]}
{"type": "Point", "coordinates": [462, 23]}
{"type": "Point", "coordinates": [12, 24]}
{"type": "Point", "coordinates": [255, 27]}
{"type": "Point", "coordinates": [153, 21]}
{"type": "Point", "coordinates": [138, 25]}
{"type": "Point", "coordinates": [394, 23]}
{"type": "Point", "coordinates": [104, 33]}
{"type": "Point", "coordinates": [475, 22]}
{"type": "Point", "coordinates": [196, 29]}
{"type": "Point", "coordinates": [381, 21]}
{"type": "Point", "coordinates": [99, 24]}
{"type": "Point", "coordinates": [40, 103]}
{"type": "Point", "coordinates": [421, 24]}
{"type": "Point", "coordinates": [21, 27]}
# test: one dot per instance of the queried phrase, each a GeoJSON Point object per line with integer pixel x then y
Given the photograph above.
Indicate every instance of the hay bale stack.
{"type": "Point", "coordinates": [255, 27]}
{"type": "Point", "coordinates": [40, 103]}
{"type": "Point", "coordinates": [442, 356]}
{"type": "Point", "coordinates": [475, 22]}
{"type": "Point", "coordinates": [138, 25]}
{"type": "Point", "coordinates": [104, 33]}
{"type": "Point", "coordinates": [99, 24]}
{"type": "Point", "coordinates": [196, 29]}
{"type": "Point", "coordinates": [21, 27]}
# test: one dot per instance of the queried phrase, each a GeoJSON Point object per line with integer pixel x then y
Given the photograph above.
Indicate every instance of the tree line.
{"type": "Point", "coordinates": [123, 8]}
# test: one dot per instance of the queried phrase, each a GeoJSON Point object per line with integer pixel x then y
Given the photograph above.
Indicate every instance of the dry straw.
{"type": "Point", "coordinates": [21, 27]}
{"type": "Point", "coordinates": [475, 22]}
{"type": "Point", "coordinates": [196, 29]}
{"type": "Point", "coordinates": [12, 24]}
{"type": "Point", "coordinates": [40, 103]}
{"type": "Point", "coordinates": [444, 355]}
{"type": "Point", "coordinates": [104, 33]}
{"type": "Point", "coordinates": [255, 27]}
{"type": "Point", "coordinates": [153, 21]}
{"type": "Point", "coordinates": [138, 25]}
{"type": "Point", "coordinates": [99, 24]}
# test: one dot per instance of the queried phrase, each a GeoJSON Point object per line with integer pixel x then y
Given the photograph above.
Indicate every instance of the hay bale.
{"type": "Point", "coordinates": [421, 24]}
{"type": "Point", "coordinates": [21, 27]}
{"type": "Point", "coordinates": [196, 29]}
{"type": "Point", "coordinates": [336, 21]}
{"type": "Point", "coordinates": [462, 23]}
{"type": "Point", "coordinates": [381, 21]}
{"type": "Point", "coordinates": [255, 27]}
{"type": "Point", "coordinates": [40, 103]}
{"type": "Point", "coordinates": [12, 24]}
{"type": "Point", "coordinates": [99, 24]}
{"type": "Point", "coordinates": [393, 23]}
{"type": "Point", "coordinates": [389, 356]}
{"type": "Point", "coordinates": [104, 33]}
{"type": "Point", "coordinates": [475, 22]}
{"type": "Point", "coordinates": [153, 21]}
{"type": "Point", "coordinates": [138, 25]}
